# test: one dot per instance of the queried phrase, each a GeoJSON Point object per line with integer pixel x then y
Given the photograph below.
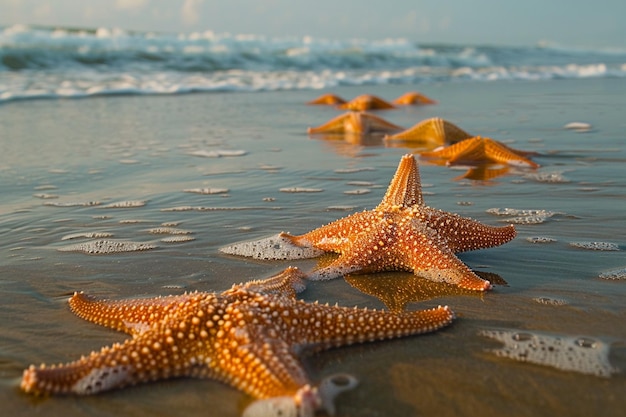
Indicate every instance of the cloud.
{"type": "Point", "coordinates": [189, 13]}
{"type": "Point", "coordinates": [130, 4]}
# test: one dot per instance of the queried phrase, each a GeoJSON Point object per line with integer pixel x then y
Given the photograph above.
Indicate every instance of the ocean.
{"type": "Point", "coordinates": [40, 62]}
{"type": "Point", "coordinates": [99, 140]}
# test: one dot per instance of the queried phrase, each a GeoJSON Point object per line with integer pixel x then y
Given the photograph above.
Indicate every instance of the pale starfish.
{"type": "Point", "coordinates": [327, 100]}
{"type": "Point", "coordinates": [355, 122]}
{"type": "Point", "coordinates": [479, 150]}
{"type": "Point", "coordinates": [402, 233]}
{"type": "Point", "coordinates": [413, 98]}
{"type": "Point", "coordinates": [249, 337]}
{"type": "Point", "coordinates": [434, 130]}
{"type": "Point", "coordinates": [367, 102]}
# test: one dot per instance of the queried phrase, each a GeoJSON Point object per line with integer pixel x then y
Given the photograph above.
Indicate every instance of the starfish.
{"type": "Point", "coordinates": [434, 130]}
{"type": "Point", "coordinates": [413, 98]}
{"type": "Point", "coordinates": [327, 100]}
{"type": "Point", "coordinates": [402, 233]}
{"type": "Point", "coordinates": [355, 122]}
{"type": "Point", "coordinates": [367, 102]}
{"type": "Point", "coordinates": [479, 150]}
{"type": "Point", "coordinates": [250, 336]}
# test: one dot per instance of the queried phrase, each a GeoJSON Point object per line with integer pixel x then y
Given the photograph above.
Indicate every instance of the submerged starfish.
{"type": "Point", "coordinates": [434, 130]}
{"type": "Point", "coordinates": [327, 100]}
{"type": "Point", "coordinates": [479, 150]}
{"type": "Point", "coordinates": [249, 337]}
{"type": "Point", "coordinates": [404, 234]}
{"type": "Point", "coordinates": [356, 122]}
{"type": "Point", "coordinates": [413, 98]}
{"type": "Point", "coordinates": [367, 102]}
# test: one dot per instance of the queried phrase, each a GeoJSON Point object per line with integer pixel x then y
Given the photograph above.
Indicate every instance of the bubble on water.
{"type": "Point", "coordinates": [614, 274]}
{"type": "Point", "coordinates": [353, 170]}
{"type": "Point", "coordinates": [73, 204]}
{"type": "Point", "coordinates": [169, 231]}
{"type": "Point", "coordinates": [540, 239]}
{"type": "Point", "coordinates": [360, 183]}
{"type": "Point", "coordinates": [547, 177]}
{"type": "Point", "coordinates": [526, 219]}
{"type": "Point", "coordinates": [177, 239]}
{"type": "Point", "coordinates": [218, 153]}
{"type": "Point", "coordinates": [341, 208]}
{"type": "Point", "coordinates": [87, 235]}
{"type": "Point", "coordinates": [126, 204]}
{"type": "Point", "coordinates": [45, 196]}
{"type": "Point", "coordinates": [129, 161]}
{"type": "Point", "coordinates": [300, 190]}
{"type": "Point", "coordinates": [104, 247]}
{"type": "Point", "coordinates": [578, 126]}
{"type": "Point", "coordinates": [583, 354]}
{"type": "Point", "coordinates": [206, 191]}
{"type": "Point", "coordinates": [602, 246]}
{"type": "Point", "coordinates": [45, 187]}
{"type": "Point", "coordinates": [550, 301]}
{"type": "Point", "coordinates": [359, 191]}
{"type": "Point", "coordinates": [523, 216]}
{"type": "Point", "coordinates": [271, 248]}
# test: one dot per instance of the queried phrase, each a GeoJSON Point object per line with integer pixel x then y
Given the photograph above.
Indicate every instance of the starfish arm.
{"type": "Point", "coordinates": [405, 187]}
{"type": "Point", "coordinates": [504, 154]}
{"type": "Point", "coordinates": [129, 316]}
{"type": "Point", "coordinates": [333, 236]}
{"type": "Point", "coordinates": [451, 151]}
{"type": "Point", "coordinates": [413, 97]}
{"type": "Point", "coordinates": [434, 130]}
{"type": "Point", "coordinates": [335, 125]}
{"type": "Point", "coordinates": [152, 355]}
{"type": "Point", "coordinates": [374, 123]}
{"type": "Point", "coordinates": [287, 283]}
{"type": "Point", "coordinates": [327, 99]}
{"type": "Point", "coordinates": [366, 102]}
{"type": "Point", "coordinates": [422, 250]}
{"type": "Point", "coordinates": [463, 234]}
{"type": "Point", "coordinates": [325, 326]}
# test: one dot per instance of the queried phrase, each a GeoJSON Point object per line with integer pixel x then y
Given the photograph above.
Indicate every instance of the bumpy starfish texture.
{"type": "Point", "coordinates": [356, 122]}
{"type": "Point", "coordinates": [402, 233]}
{"type": "Point", "coordinates": [249, 336]}
{"type": "Point", "coordinates": [435, 130]}
{"type": "Point", "coordinates": [479, 150]}
{"type": "Point", "coordinates": [413, 98]}
{"type": "Point", "coordinates": [367, 102]}
{"type": "Point", "coordinates": [327, 100]}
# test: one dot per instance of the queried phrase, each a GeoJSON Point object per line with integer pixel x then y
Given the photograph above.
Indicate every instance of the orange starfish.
{"type": "Point", "coordinates": [327, 100]}
{"type": "Point", "coordinates": [249, 337]}
{"type": "Point", "coordinates": [479, 150]}
{"type": "Point", "coordinates": [413, 98]}
{"type": "Point", "coordinates": [367, 102]}
{"type": "Point", "coordinates": [355, 122]}
{"type": "Point", "coordinates": [434, 130]}
{"type": "Point", "coordinates": [402, 233]}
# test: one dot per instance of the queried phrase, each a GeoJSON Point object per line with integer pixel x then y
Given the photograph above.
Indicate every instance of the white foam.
{"type": "Point", "coordinates": [271, 248]}
{"type": "Point", "coordinates": [604, 246]}
{"type": "Point", "coordinates": [103, 247]}
{"type": "Point", "coordinates": [614, 274]}
{"type": "Point", "coordinates": [581, 354]}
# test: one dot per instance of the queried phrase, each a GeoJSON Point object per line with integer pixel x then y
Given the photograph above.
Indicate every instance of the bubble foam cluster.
{"type": "Point", "coordinates": [271, 248]}
{"type": "Point", "coordinates": [580, 354]}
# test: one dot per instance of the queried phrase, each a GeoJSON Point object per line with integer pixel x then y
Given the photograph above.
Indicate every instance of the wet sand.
{"type": "Point", "coordinates": [61, 157]}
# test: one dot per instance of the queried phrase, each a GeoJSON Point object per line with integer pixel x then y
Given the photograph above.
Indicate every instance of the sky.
{"type": "Point", "coordinates": [586, 23]}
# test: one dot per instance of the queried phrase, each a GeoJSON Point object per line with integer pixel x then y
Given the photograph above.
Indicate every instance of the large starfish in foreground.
{"type": "Point", "coordinates": [249, 337]}
{"type": "Point", "coordinates": [402, 233]}
{"type": "Point", "coordinates": [356, 122]}
{"type": "Point", "coordinates": [479, 150]}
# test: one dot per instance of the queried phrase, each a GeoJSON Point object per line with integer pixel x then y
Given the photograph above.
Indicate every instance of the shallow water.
{"type": "Point", "coordinates": [65, 160]}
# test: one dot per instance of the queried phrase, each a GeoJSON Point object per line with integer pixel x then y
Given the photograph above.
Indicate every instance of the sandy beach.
{"type": "Point", "coordinates": [127, 164]}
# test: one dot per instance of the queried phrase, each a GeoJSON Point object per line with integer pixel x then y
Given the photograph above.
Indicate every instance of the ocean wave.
{"type": "Point", "coordinates": [39, 62]}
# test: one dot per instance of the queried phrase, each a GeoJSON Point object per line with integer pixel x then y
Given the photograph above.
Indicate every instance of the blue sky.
{"type": "Point", "coordinates": [521, 22]}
